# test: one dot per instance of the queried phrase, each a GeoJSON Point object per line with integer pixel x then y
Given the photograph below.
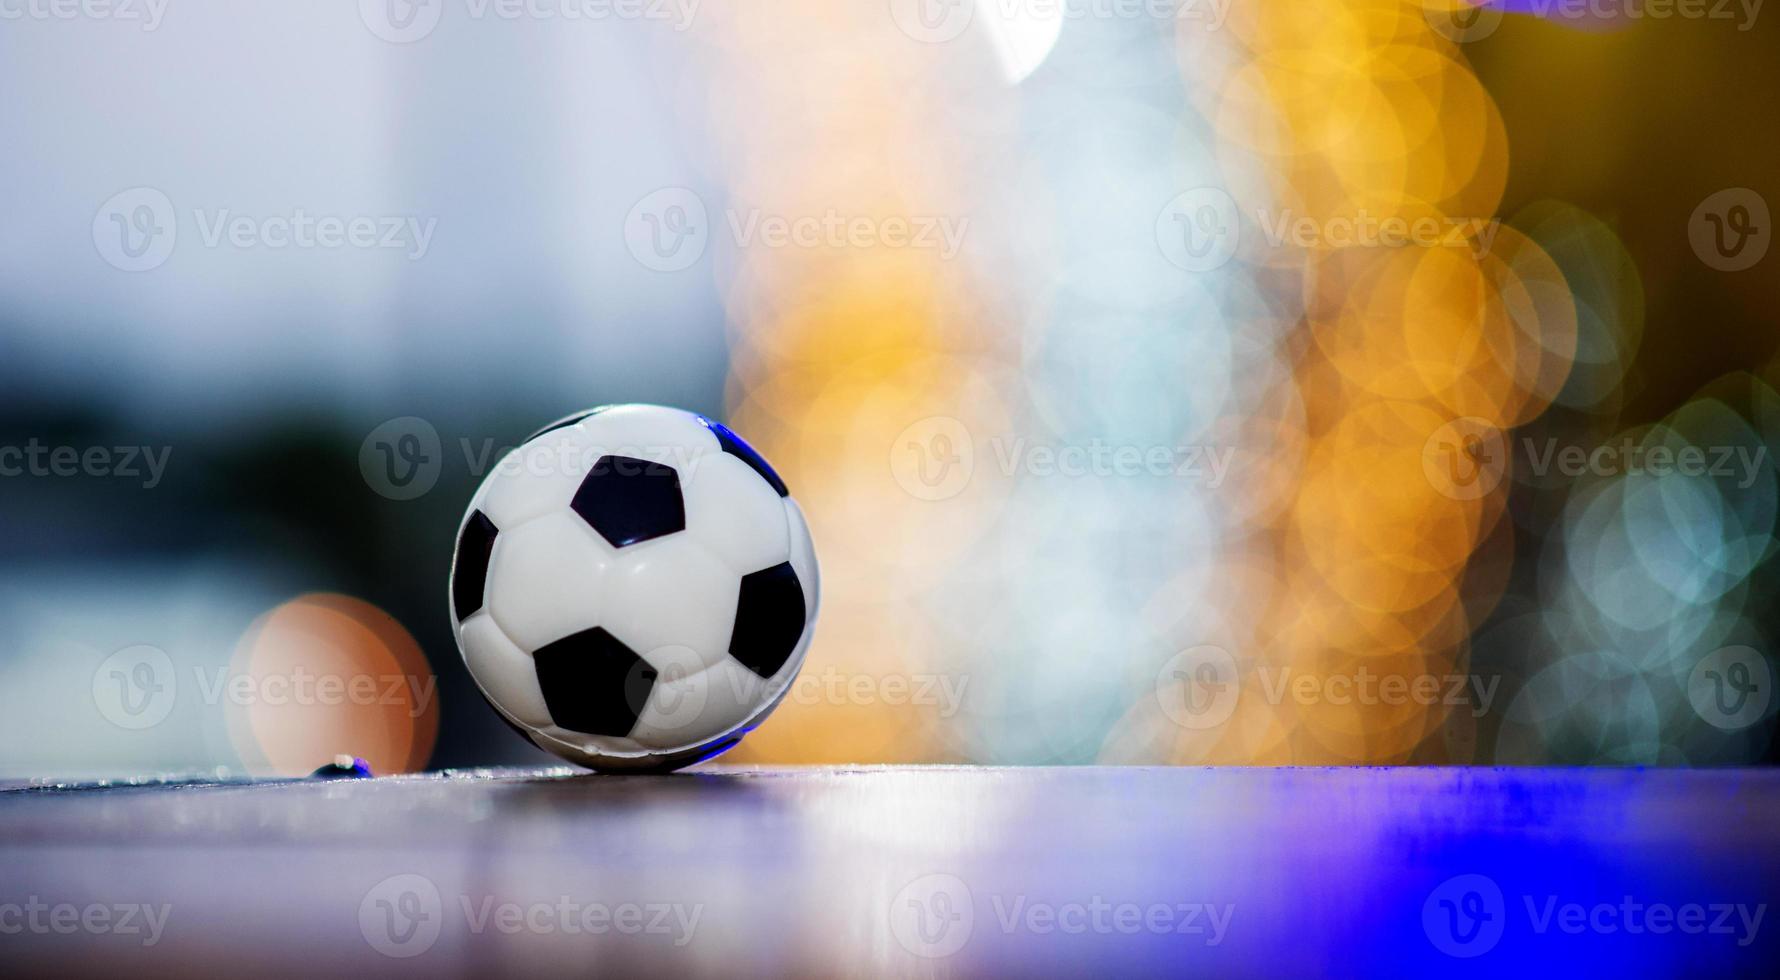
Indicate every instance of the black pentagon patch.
{"type": "Point", "coordinates": [628, 500]}
{"type": "Point", "coordinates": [768, 619]}
{"type": "Point", "coordinates": [469, 573]}
{"type": "Point", "coordinates": [593, 683]}
{"type": "Point", "coordinates": [733, 445]}
{"type": "Point", "coordinates": [567, 421]}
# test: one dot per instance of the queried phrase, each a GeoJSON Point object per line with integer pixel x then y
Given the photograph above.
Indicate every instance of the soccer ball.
{"type": "Point", "coordinates": [634, 588]}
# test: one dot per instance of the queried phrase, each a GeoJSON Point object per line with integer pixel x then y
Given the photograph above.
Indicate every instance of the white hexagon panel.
{"type": "Point", "coordinates": [634, 588]}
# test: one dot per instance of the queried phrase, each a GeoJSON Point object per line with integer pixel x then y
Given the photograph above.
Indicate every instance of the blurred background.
{"type": "Point", "coordinates": [1165, 381]}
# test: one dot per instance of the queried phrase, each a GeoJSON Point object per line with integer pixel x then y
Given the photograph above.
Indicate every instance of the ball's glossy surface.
{"type": "Point", "coordinates": [634, 588]}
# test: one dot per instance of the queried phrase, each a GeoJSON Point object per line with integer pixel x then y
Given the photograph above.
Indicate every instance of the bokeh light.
{"type": "Point", "coordinates": [1270, 336]}
{"type": "Point", "coordinates": [327, 675]}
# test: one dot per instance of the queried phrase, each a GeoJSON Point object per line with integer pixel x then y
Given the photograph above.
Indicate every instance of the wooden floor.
{"type": "Point", "coordinates": [900, 871]}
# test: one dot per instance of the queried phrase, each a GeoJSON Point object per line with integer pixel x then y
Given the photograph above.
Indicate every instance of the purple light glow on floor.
{"type": "Point", "coordinates": [920, 871]}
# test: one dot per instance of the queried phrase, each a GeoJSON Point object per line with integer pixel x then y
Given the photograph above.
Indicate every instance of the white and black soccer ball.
{"type": "Point", "coordinates": [634, 588]}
